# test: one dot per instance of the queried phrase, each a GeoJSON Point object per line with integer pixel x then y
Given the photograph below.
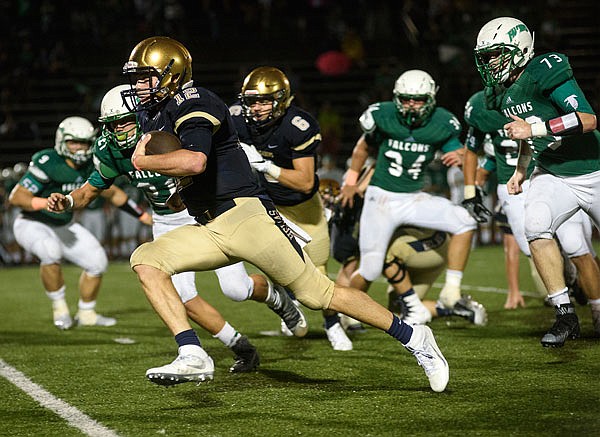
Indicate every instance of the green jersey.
{"type": "Point", "coordinates": [404, 152]}
{"type": "Point", "coordinates": [547, 89]}
{"type": "Point", "coordinates": [49, 173]}
{"type": "Point", "coordinates": [485, 127]}
{"type": "Point", "coordinates": [111, 162]}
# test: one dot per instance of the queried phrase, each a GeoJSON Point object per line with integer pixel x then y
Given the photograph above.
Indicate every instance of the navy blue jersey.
{"type": "Point", "coordinates": [295, 135]}
{"type": "Point", "coordinates": [202, 122]}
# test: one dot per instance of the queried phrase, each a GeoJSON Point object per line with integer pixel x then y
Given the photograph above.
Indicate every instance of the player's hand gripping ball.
{"type": "Point", "coordinates": [162, 142]}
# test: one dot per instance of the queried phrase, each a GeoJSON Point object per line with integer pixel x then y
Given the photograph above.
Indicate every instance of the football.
{"type": "Point", "coordinates": [162, 142]}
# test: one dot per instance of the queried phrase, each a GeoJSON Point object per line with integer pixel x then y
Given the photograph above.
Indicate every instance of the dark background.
{"type": "Point", "coordinates": [58, 58]}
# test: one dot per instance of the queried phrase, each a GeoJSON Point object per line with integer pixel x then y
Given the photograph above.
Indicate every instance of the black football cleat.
{"type": "Point", "coordinates": [246, 356]}
{"type": "Point", "coordinates": [566, 326]}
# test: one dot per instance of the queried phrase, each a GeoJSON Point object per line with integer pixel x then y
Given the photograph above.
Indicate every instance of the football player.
{"type": "Point", "coordinates": [53, 237]}
{"type": "Point", "coordinates": [281, 142]}
{"type": "Point", "coordinates": [112, 156]}
{"type": "Point", "coordinates": [414, 260]}
{"type": "Point", "coordinates": [554, 122]}
{"type": "Point", "coordinates": [235, 218]}
{"type": "Point", "coordinates": [407, 132]}
{"type": "Point", "coordinates": [486, 132]}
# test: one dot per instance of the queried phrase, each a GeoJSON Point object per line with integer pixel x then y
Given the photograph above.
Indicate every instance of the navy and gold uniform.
{"type": "Point", "coordinates": [294, 135]}
{"type": "Point", "coordinates": [240, 221]}
{"type": "Point", "coordinates": [202, 123]}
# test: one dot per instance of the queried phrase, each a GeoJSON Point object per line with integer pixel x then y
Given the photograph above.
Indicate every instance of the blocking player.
{"type": "Point", "coordinates": [281, 142]}
{"type": "Point", "coordinates": [414, 260]}
{"type": "Point", "coordinates": [53, 237]}
{"type": "Point", "coordinates": [554, 122]}
{"type": "Point", "coordinates": [235, 218]}
{"type": "Point", "coordinates": [574, 235]}
{"type": "Point", "coordinates": [407, 132]}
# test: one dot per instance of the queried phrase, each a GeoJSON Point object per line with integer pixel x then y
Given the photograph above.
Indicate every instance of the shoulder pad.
{"type": "Point", "coordinates": [550, 70]}
{"type": "Point", "coordinates": [43, 163]}
{"type": "Point", "coordinates": [474, 104]}
{"type": "Point", "coordinates": [447, 119]}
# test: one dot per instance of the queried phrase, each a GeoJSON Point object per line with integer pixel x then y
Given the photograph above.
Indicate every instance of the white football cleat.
{"type": "Point", "coordinates": [92, 318]}
{"type": "Point", "coordinates": [185, 368]}
{"type": "Point", "coordinates": [423, 346]}
{"type": "Point", "coordinates": [61, 316]}
{"type": "Point", "coordinates": [338, 338]}
{"type": "Point", "coordinates": [449, 295]}
{"type": "Point", "coordinates": [414, 311]}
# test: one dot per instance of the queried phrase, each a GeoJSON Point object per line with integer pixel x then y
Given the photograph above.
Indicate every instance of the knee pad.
{"type": "Point", "coordinates": [370, 267]}
{"type": "Point", "coordinates": [538, 221]}
{"type": "Point", "coordinates": [185, 284]}
{"type": "Point", "coordinates": [48, 250]}
{"type": "Point", "coordinates": [96, 262]}
{"type": "Point", "coordinates": [236, 287]}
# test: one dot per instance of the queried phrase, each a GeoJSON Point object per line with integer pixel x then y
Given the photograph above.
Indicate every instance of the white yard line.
{"type": "Point", "coordinates": [72, 415]}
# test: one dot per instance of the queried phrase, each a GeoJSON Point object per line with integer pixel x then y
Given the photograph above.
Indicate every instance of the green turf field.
{"type": "Point", "coordinates": [502, 382]}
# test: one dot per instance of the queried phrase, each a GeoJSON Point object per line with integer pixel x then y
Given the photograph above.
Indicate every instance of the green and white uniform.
{"type": "Point", "coordinates": [567, 175]}
{"type": "Point", "coordinates": [52, 236]}
{"type": "Point", "coordinates": [486, 128]}
{"type": "Point", "coordinates": [394, 197]}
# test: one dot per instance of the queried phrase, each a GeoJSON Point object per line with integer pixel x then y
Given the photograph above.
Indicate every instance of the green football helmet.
{"type": "Point", "coordinates": [112, 111]}
{"type": "Point", "coordinates": [503, 45]}
{"type": "Point", "coordinates": [415, 85]}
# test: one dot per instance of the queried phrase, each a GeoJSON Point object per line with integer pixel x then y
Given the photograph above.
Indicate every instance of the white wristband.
{"type": "Point", "coordinates": [274, 171]}
{"type": "Point", "coordinates": [71, 202]}
{"type": "Point", "coordinates": [539, 129]}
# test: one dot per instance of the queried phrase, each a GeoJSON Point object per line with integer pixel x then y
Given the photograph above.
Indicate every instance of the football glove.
{"type": "Point", "coordinates": [261, 164]}
{"type": "Point", "coordinates": [252, 154]}
{"type": "Point", "coordinates": [476, 207]}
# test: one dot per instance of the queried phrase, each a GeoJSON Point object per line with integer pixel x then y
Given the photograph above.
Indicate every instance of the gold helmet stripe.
{"type": "Point", "coordinates": [199, 114]}
{"type": "Point", "coordinates": [304, 145]}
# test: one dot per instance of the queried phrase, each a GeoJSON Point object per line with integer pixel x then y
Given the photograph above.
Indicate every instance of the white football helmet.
{"type": "Point", "coordinates": [503, 45]}
{"type": "Point", "coordinates": [113, 109]}
{"type": "Point", "coordinates": [417, 85]}
{"type": "Point", "coordinates": [75, 129]}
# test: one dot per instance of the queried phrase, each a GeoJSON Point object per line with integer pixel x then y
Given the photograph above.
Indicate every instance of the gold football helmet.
{"type": "Point", "coordinates": [265, 83]}
{"type": "Point", "coordinates": [158, 57]}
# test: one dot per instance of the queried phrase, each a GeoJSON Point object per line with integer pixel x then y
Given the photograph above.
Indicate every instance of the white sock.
{"type": "Point", "coordinates": [595, 304]}
{"type": "Point", "coordinates": [453, 278]}
{"type": "Point", "coordinates": [227, 335]}
{"type": "Point", "coordinates": [86, 305]}
{"type": "Point", "coordinates": [560, 297]}
{"type": "Point", "coordinates": [57, 295]}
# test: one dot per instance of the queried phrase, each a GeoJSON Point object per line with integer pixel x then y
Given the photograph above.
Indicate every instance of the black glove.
{"type": "Point", "coordinates": [476, 207]}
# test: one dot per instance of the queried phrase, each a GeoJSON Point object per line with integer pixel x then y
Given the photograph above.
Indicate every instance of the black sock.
{"type": "Point", "coordinates": [400, 331]}
{"type": "Point", "coordinates": [187, 337]}
{"type": "Point", "coordinates": [444, 312]}
{"type": "Point", "coordinates": [331, 320]}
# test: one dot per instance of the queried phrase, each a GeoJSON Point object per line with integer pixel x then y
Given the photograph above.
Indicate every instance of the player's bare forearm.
{"type": "Point", "coordinates": [114, 194]}
{"type": "Point", "coordinates": [470, 167]}
{"type": "Point", "coordinates": [25, 199]}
